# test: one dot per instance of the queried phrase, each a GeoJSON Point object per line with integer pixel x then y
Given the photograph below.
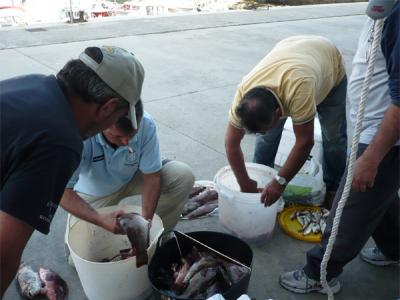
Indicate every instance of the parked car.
{"type": "Point", "coordinates": [12, 16]}
{"type": "Point", "coordinates": [100, 9]}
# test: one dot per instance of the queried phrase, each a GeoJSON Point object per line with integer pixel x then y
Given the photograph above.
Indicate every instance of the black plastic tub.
{"type": "Point", "coordinates": [168, 253]}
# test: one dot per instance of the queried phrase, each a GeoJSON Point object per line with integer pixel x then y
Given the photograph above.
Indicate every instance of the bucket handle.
{"type": "Point", "coordinates": [174, 236]}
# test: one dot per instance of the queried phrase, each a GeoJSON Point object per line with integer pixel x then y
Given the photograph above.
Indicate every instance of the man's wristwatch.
{"type": "Point", "coordinates": [281, 180]}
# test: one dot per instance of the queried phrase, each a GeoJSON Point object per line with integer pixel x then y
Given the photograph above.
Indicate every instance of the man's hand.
{"type": "Point", "coordinates": [249, 186]}
{"type": "Point", "coordinates": [109, 221]}
{"type": "Point", "coordinates": [364, 174]}
{"type": "Point", "coordinates": [271, 193]}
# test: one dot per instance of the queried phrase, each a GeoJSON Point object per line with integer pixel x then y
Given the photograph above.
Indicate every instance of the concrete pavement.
{"type": "Point", "coordinates": [193, 64]}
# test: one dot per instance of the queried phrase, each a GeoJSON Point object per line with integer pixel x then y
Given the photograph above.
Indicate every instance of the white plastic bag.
{"type": "Point", "coordinates": [308, 186]}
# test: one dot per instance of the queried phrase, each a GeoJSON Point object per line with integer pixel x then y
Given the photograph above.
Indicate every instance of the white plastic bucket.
{"type": "Point", "coordinates": [120, 280]}
{"type": "Point", "coordinates": [242, 213]}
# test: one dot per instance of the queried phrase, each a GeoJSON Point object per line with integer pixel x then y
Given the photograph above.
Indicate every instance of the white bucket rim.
{"type": "Point", "coordinates": [248, 165]}
{"type": "Point", "coordinates": [111, 262]}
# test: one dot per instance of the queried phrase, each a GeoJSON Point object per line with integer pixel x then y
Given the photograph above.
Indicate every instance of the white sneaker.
{"type": "Point", "coordinates": [375, 257]}
{"type": "Point", "coordinates": [297, 281]}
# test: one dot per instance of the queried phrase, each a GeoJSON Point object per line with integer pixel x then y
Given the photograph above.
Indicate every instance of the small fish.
{"type": "Point", "coordinates": [300, 220]}
{"type": "Point", "coordinates": [204, 262]}
{"type": "Point", "coordinates": [55, 288]}
{"type": "Point", "coordinates": [325, 213]}
{"type": "Point", "coordinates": [29, 281]}
{"type": "Point", "coordinates": [315, 228]}
{"type": "Point", "coordinates": [137, 229]}
{"type": "Point", "coordinates": [308, 229]}
{"type": "Point", "coordinates": [322, 225]}
{"type": "Point", "coordinates": [203, 210]}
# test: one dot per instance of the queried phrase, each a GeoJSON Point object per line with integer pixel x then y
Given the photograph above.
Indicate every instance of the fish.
{"type": "Point", "coordinates": [203, 210]}
{"type": "Point", "coordinates": [213, 289]}
{"type": "Point", "coordinates": [322, 225]}
{"type": "Point", "coordinates": [55, 288]}
{"type": "Point", "coordinates": [29, 281]}
{"type": "Point", "coordinates": [235, 271]}
{"type": "Point", "coordinates": [206, 196]}
{"type": "Point", "coordinates": [137, 230]}
{"type": "Point", "coordinates": [189, 207]}
{"type": "Point", "coordinates": [181, 274]}
{"type": "Point", "coordinates": [204, 262]}
{"type": "Point", "coordinates": [311, 221]}
{"type": "Point", "coordinates": [199, 196]}
{"type": "Point", "coordinates": [224, 278]}
{"type": "Point", "coordinates": [199, 282]}
{"type": "Point", "coordinates": [196, 189]}
{"type": "Point", "coordinates": [204, 274]}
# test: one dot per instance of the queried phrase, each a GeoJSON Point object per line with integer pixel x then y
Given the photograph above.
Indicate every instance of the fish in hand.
{"type": "Point", "coordinates": [137, 230]}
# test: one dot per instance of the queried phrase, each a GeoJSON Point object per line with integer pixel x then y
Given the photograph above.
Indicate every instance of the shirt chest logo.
{"type": "Point", "coordinates": [130, 158]}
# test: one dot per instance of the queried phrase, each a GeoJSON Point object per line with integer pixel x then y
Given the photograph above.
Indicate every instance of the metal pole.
{"type": "Point", "coordinates": [71, 16]}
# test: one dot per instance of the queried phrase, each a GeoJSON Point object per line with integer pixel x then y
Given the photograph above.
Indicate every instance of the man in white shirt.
{"type": "Point", "coordinates": [372, 209]}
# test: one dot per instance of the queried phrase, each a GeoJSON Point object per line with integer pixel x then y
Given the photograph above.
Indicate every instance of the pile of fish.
{"type": "Point", "coordinates": [202, 201]}
{"type": "Point", "coordinates": [200, 275]}
{"type": "Point", "coordinates": [45, 283]}
{"type": "Point", "coordinates": [311, 221]}
{"type": "Point", "coordinates": [138, 231]}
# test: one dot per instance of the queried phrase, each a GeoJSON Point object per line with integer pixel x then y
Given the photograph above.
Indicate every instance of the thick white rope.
{"type": "Point", "coordinates": [378, 25]}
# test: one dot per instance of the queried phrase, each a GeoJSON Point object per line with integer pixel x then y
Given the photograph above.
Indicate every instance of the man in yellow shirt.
{"type": "Point", "coordinates": [302, 75]}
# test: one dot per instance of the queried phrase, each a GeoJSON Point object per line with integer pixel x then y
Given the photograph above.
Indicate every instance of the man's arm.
{"type": "Point", "coordinates": [367, 164]}
{"type": "Point", "coordinates": [75, 205]}
{"type": "Point", "coordinates": [11, 248]}
{"type": "Point", "coordinates": [298, 155]}
{"type": "Point", "coordinates": [388, 133]}
{"type": "Point", "coordinates": [233, 138]}
{"type": "Point", "coordinates": [150, 194]}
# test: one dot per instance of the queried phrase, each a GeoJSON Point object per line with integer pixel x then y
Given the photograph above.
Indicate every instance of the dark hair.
{"type": "Point", "coordinates": [256, 109]}
{"type": "Point", "coordinates": [125, 124]}
{"type": "Point", "coordinates": [78, 79]}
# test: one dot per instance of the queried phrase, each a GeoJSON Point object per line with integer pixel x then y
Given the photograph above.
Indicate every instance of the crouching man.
{"type": "Point", "coordinates": [123, 161]}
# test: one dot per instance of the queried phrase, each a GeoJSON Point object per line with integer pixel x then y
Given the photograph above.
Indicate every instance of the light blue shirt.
{"type": "Point", "coordinates": [103, 170]}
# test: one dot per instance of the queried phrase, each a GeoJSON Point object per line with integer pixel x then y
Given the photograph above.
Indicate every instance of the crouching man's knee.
{"type": "Point", "coordinates": [176, 176]}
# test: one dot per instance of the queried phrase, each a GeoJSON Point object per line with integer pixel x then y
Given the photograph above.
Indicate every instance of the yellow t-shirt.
{"type": "Point", "coordinates": [300, 71]}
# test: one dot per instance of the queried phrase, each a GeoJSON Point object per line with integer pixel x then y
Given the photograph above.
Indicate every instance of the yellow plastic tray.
{"type": "Point", "coordinates": [292, 227]}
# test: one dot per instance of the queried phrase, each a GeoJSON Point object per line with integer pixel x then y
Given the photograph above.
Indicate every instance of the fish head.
{"type": "Point", "coordinates": [55, 286]}
{"type": "Point", "coordinates": [28, 280]}
{"type": "Point", "coordinates": [45, 275]}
